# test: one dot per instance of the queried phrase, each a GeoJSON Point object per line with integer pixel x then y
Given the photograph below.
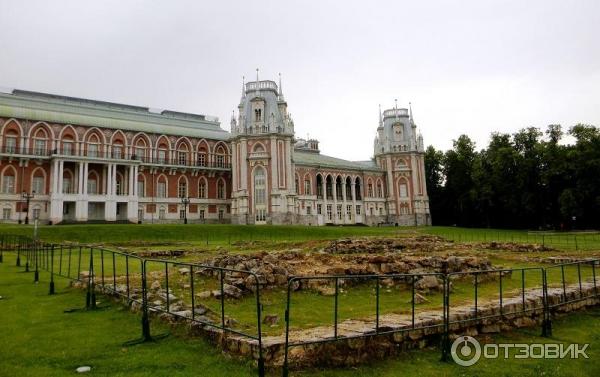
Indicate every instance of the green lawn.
{"type": "Point", "coordinates": [589, 240]}
{"type": "Point", "coordinates": [38, 339]}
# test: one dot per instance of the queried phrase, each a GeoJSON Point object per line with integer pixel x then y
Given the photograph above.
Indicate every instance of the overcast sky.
{"type": "Point", "coordinates": [467, 66]}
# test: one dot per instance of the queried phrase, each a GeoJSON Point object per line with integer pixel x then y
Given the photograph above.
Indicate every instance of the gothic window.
{"type": "Point", "coordinates": [10, 143]}
{"type": "Point", "coordinates": [257, 115]}
{"type": "Point", "coordinates": [202, 188]}
{"type": "Point", "coordinates": [220, 189]}
{"type": "Point", "coordinates": [67, 147]}
{"type": "Point", "coordinates": [162, 156]}
{"type": "Point", "coordinates": [40, 142]}
{"type": "Point", "coordinates": [370, 190]}
{"type": "Point", "coordinates": [37, 184]}
{"type": "Point", "coordinates": [92, 184]}
{"type": "Point", "coordinates": [182, 188]}
{"type": "Point", "coordinates": [8, 181]}
{"type": "Point", "coordinates": [379, 189]}
{"type": "Point", "coordinates": [260, 194]}
{"type": "Point", "coordinates": [141, 186]}
{"type": "Point", "coordinates": [307, 190]}
{"type": "Point", "coordinates": [118, 151]}
{"type": "Point", "coordinates": [403, 190]}
{"type": "Point", "coordinates": [161, 188]}
{"type": "Point", "coordinates": [202, 157]}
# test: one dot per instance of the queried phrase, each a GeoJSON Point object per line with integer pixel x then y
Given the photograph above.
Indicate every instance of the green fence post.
{"type": "Point", "coordinates": [51, 291]}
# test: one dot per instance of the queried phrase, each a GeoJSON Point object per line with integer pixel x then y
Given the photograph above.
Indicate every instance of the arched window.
{"type": "Point", "coordinates": [182, 188]}
{"type": "Point", "coordinates": [370, 189]}
{"type": "Point", "coordinates": [379, 189]}
{"type": "Point", "coordinates": [182, 154]}
{"type": "Point", "coordinates": [403, 189]}
{"type": "Point", "coordinates": [67, 146]}
{"type": "Point", "coordinates": [307, 186]}
{"type": "Point", "coordinates": [38, 182]}
{"type": "Point", "coordinates": [348, 188]}
{"type": "Point", "coordinates": [117, 150]}
{"type": "Point", "coordinates": [141, 185]}
{"type": "Point", "coordinates": [260, 195]}
{"type": "Point", "coordinates": [202, 156]}
{"type": "Point", "coordinates": [40, 142]}
{"type": "Point", "coordinates": [161, 187]}
{"type": "Point", "coordinates": [11, 142]}
{"type": "Point", "coordinates": [93, 146]}
{"type": "Point", "coordinates": [358, 190]}
{"type": "Point", "coordinates": [92, 183]}
{"type": "Point", "coordinates": [297, 185]}
{"type": "Point", "coordinates": [140, 149]}
{"type": "Point", "coordinates": [202, 188]}
{"type": "Point", "coordinates": [68, 187]}
{"type": "Point", "coordinates": [220, 157]}
{"type": "Point", "coordinates": [9, 179]}
{"type": "Point", "coordinates": [220, 189]}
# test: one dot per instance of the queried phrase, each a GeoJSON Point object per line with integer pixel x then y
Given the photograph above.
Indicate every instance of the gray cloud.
{"type": "Point", "coordinates": [468, 67]}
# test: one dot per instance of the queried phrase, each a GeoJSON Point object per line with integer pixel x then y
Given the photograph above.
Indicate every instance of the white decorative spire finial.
{"type": "Point", "coordinates": [243, 86]}
{"type": "Point", "coordinates": [396, 107]}
{"type": "Point", "coordinates": [410, 113]}
{"type": "Point", "coordinates": [256, 74]}
{"type": "Point", "coordinates": [380, 117]}
{"type": "Point", "coordinates": [280, 88]}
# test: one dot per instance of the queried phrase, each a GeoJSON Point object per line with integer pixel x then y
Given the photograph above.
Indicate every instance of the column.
{"type": "Point", "coordinates": [54, 188]}
{"type": "Point", "coordinates": [274, 171]}
{"type": "Point", "coordinates": [324, 207]}
{"type": "Point", "coordinates": [334, 209]}
{"type": "Point", "coordinates": [80, 178]}
{"type": "Point", "coordinates": [113, 180]}
{"type": "Point", "coordinates": [346, 219]}
{"type": "Point", "coordinates": [61, 167]}
{"type": "Point", "coordinates": [85, 177]}
{"type": "Point", "coordinates": [108, 188]}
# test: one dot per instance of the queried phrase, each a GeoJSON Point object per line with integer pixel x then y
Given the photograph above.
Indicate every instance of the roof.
{"type": "Point", "coordinates": [317, 159]}
{"type": "Point", "coordinates": [85, 112]}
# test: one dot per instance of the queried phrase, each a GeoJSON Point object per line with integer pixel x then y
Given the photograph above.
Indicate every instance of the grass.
{"type": "Point", "coordinates": [589, 240]}
{"type": "Point", "coordinates": [38, 339]}
{"type": "Point", "coordinates": [199, 234]}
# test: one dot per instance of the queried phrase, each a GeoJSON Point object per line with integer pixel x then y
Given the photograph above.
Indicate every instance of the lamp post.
{"type": "Point", "coordinates": [27, 197]}
{"type": "Point", "coordinates": [185, 201]}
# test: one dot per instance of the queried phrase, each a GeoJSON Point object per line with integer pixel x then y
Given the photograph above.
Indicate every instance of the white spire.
{"type": "Point", "coordinates": [243, 86]}
{"type": "Point", "coordinates": [257, 75]}
{"type": "Point", "coordinates": [410, 114]}
{"type": "Point", "coordinates": [380, 117]}
{"type": "Point", "coordinates": [280, 88]}
{"type": "Point", "coordinates": [396, 107]}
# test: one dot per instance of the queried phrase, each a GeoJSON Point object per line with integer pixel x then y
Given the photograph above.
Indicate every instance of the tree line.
{"type": "Point", "coordinates": [531, 179]}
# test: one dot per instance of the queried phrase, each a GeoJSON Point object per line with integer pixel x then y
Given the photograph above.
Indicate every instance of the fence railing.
{"type": "Point", "coordinates": [567, 241]}
{"type": "Point", "coordinates": [539, 290]}
{"type": "Point", "coordinates": [512, 298]}
{"type": "Point", "coordinates": [127, 276]}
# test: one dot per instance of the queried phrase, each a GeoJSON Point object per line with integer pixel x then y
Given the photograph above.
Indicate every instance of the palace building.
{"type": "Point", "coordinates": [72, 160]}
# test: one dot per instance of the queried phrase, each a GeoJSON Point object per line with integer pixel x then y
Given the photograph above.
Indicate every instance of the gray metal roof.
{"type": "Point", "coordinates": [78, 111]}
{"type": "Point", "coordinates": [320, 160]}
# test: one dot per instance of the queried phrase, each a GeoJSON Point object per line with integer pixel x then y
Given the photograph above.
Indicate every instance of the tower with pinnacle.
{"type": "Point", "coordinates": [399, 151]}
{"type": "Point", "coordinates": [263, 186]}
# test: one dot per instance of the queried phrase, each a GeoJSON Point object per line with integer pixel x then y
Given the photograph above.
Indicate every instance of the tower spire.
{"type": "Point", "coordinates": [280, 88]}
{"type": "Point", "coordinates": [380, 117]}
{"type": "Point", "coordinates": [410, 113]}
{"type": "Point", "coordinates": [396, 107]}
{"type": "Point", "coordinates": [243, 86]}
{"type": "Point", "coordinates": [257, 75]}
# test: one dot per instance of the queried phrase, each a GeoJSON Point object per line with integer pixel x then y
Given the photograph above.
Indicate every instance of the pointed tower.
{"type": "Point", "coordinates": [400, 152]}
{"type": "Point", "coordinates": [263, 189]}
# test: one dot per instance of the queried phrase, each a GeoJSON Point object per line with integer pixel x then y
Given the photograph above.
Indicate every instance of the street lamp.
{"type": "Point", "coordinates": [27, 198]}
{"type": "Point", "coordinates": [185, 201]}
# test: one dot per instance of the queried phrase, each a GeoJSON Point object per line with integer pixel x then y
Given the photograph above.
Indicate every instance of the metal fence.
{"type": "Point", "coordinates": [137, 279]}
{"type": "Point", "coordinates": [127, 276]}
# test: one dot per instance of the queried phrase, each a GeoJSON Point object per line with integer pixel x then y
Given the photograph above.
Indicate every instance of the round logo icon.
{"type": "Point", "coordinates": [465, 351]}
